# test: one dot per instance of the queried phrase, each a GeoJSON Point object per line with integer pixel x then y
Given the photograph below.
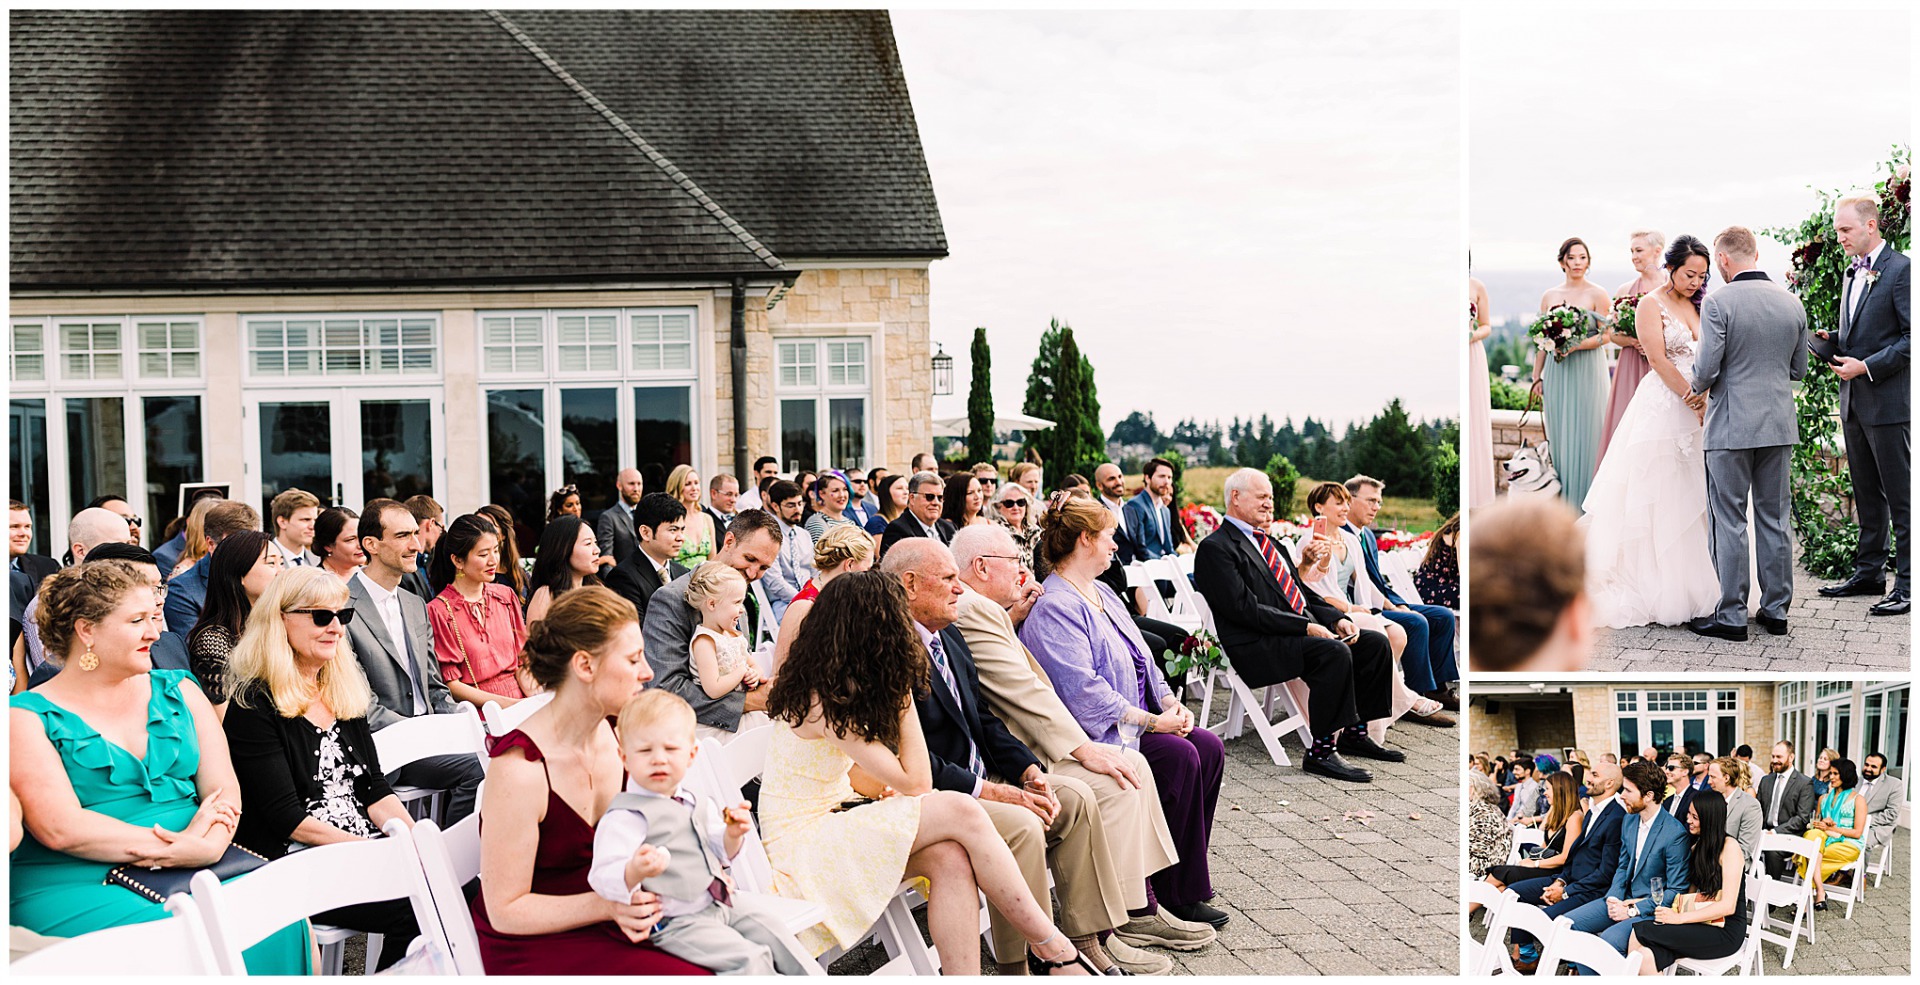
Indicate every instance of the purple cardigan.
{"type": "Point", "coordinates": [1093, 659]}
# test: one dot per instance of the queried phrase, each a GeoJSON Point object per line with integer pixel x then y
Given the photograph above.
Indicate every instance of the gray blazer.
{"type": "Point", "coordinates": [668, 630]}
{"type": "Point", "coordinates": [1882, 338]}
{"type": "Point", "coordinates": [1796, 803]}
{"type": "Point", "coordinates": [1753, 346]}
{"type": "Point", "coordinates": [382, 658]}
{"type": "Point", "coordinates": [1744, 822]}
{"type": "Point", "coordinates": [1883, 807]}
{"type": "Point", "coordinates": [618, 539]}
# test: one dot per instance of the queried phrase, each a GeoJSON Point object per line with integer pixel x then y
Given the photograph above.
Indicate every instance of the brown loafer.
{"type": "Point", "coordinates": [1439, 719]}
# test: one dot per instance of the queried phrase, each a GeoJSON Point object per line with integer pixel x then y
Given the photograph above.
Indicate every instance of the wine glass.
{"type": "Point", "coordinates": [1656, 885]}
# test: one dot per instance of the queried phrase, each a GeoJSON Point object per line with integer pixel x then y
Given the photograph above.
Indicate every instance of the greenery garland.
{"type": "Point", "coordinates": [1823, 517]}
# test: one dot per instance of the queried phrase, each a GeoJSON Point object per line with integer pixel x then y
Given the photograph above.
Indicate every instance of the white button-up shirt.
{"type": "Point", "coordinates": [387, 606]}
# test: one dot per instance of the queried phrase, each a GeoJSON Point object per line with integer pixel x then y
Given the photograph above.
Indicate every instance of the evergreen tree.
{"type": "Point", "coordinates": [1077, 441]}
{"type": "Point", "coordinates": [1138, 429]}
{"type": "Point", "coordinates": [1395, 452]}
{"type": "Point", "coordinates": [980, 400]}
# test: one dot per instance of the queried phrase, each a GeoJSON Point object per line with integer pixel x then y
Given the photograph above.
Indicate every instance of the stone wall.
{"type": "Point", "coordinates": [1508, 432]}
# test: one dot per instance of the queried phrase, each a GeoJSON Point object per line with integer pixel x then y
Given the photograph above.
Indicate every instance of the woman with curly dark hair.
{"type": "Point", "coordinates": [842, 705]}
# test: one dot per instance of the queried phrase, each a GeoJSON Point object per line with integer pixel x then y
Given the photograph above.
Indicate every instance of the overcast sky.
{"type": "Point", "coordinates": [1593, 124]}
{"type": "Point", "coordinates": [1239, 213]}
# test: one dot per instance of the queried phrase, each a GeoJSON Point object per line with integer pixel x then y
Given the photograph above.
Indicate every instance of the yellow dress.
{"type": "Point", "coordinates": [848, 862]}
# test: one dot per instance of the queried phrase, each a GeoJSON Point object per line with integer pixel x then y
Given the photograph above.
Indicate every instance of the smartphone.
{"type": "Point", "coordinates": [1322, 528]}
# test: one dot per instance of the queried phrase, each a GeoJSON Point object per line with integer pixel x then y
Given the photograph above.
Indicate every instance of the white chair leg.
{"type": "Point", "coordinates": [374, 942]}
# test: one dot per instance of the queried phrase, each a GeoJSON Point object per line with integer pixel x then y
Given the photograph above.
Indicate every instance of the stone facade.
{"type": "Point", "coordinates": [1509, 430]}
{"type": "Point", "coordinates": [1584, 717]}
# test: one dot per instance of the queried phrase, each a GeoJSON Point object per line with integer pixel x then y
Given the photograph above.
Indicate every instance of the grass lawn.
{"type": "Point", "coordinates": [1399, 512]}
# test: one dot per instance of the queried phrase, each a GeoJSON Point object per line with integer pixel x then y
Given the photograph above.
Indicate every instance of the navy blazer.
{"type": "Point", "coordinates": [1666, 855]}
{"type": "Point", "coordinates": [1370, 555]}
{"type": "Point", "coordinates": [947, 726]}
{"type": "Point", "coordinates": [1143, 514]}
{"type": "Point", "coordinates": [186, 595]}
{"type": "Point", "coordinates": [1596, 853]}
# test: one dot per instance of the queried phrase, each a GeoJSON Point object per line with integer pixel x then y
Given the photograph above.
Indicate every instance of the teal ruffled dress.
{"type": "Point", "coordinates": [60, 895]}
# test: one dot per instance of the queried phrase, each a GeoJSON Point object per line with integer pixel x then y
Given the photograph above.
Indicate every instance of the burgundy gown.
{"type": "Point", "coordinates": [1627, 374]}
{"type": "Point", "coordinates": [560, 867]}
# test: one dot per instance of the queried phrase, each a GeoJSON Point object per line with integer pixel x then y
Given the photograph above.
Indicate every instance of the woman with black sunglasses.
{"type": "Point", "coordinates": [302, 750]}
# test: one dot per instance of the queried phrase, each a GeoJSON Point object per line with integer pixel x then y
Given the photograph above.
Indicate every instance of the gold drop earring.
{"type": "Point", "coordinates": [88, 661]}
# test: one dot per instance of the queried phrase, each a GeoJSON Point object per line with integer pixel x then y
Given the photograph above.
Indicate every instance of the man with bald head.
{"type": "Point", "coordinates": [1111, 489]}
{"type": "Point", "coordinates": [188, 592]}
{"type": "Point", "coordinates": [1043, 817]}
{"type": "Point", "coordinates": [89, 528]}
{"type": "Point", "coordinates": [615, 526]}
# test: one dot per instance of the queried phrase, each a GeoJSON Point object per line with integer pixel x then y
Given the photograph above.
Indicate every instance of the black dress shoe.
{"type": "Point", "coordinates": [1363, 745]}
{"type": "Point", "coordinates": [1777, 627]}
{"type": "Point", "coordinates": [1198, 913]}
{"type": "Point", "coordinates": [1895, 604]}
{"type": "Point", "coordinates": [1333, 767]}
{"type": "Point", "coordinates": [1856, 586]}
{"type": "Point", "coordinates": [1701, 627]}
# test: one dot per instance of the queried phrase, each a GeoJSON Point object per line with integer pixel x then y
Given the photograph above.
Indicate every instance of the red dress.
{"type": "Point", "coordinates": [560, 867]}
{"type": "Point", "coordinates": [479, 644]}
{"type": "Point", "coordinates": [807, 594]}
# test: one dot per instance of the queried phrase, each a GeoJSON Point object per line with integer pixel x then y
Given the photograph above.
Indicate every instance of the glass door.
{"type": "Point", "coordinates": [345, 446]}
{"type": "Point", "coordinates": [294, 443]}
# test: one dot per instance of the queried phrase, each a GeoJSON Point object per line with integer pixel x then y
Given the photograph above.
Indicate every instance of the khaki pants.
{"type": "Point", "coordinates": [1092, 897]}
{"type": "Point", "coordinates": [1137, 835]}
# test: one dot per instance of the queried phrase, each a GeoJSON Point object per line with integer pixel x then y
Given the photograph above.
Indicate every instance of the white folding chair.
{"type": "Point", "coordinates": [294, 888]}
{"type": "Point", "coordinates": [1523, 838]}
{"type": "Point", "coordinates": [1878, 867]}
{"type": "Point", "coordinates": [1184, 612]}
{"type": "Point", "coordinates": [1745, 961]}
{"type": "Point", "coordinates": [1789, 891]}
{"type": "Point", "coordinates": [1570, 946]}
{"type": "Point", "coordinates": [174, 945]}
{"type": "Point", "coordinates": [1399, 575]}
{"type": "Point", "coordinates": [501, 720]}
{"type": "Point", "coordinates": [449, 860]}
{"type": "Point", "coordinates": [1513, 915]}
{"type": "Point", "coordinates": [1489, 899]}
{"type": "Point", "coordinates": [1244, 709]}
{"type": "Point", "coordinates": [1856, 872]}
{"type": "Point", "coordinates": [410, 740]}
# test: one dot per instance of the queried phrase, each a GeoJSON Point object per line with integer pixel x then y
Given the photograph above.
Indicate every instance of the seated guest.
{"type": "Point", "coordinates": [1525, 791]}
{"type": "Point", "coordinates": [292, 514]}
{"type": "Point", "coordinates": [109, 760]}
{"type": "Point", "coordinates": [169, 651]}
{"type": "Point", "coordinates": [1013, 510]}
{"type": "Point", "coordinates": [749, 547]}
{"type": "Point", "coordinates": [550, 782]}
{"type": "Point", "coordinates": [1787, 800]}
{"type": "Point", "coordinates": [837, 552]}
{"type": "Point", "coordinates": [1273, 632]}
{"type": "Point", "coordinates": [1714, 923]}
{"type": "Point", "coordinates": [1683, 784]}
{"type": "Point", "coordinates": [1076, 484]}
{"type": "Point", "coordinates": [793, 565]}
{"type": "Point", "coordinates": [1150, 524]}
{"type": "Point", "coordinates": [964, 503]}
{"type": "Point", "coordinates": [302, 750]}
{"type": "Point", "coordinates": [1663, 854]}
{"type": "Point", "coordinates": [1530, 610]}
{"type": "Point", "coordinates": [1084, 641]}
{"type": "Point", "coordinates": [1561, 828]}
{"type": "Point", "coordinates": [723, 497]}
{"type": "Point", "coordinates": [660, 524]}
{"type": "Point", "coordinates": [1489, 838]}
{"type": "Point", "coordinates": [890, 494]}
{"type": "Point", "coordinates": [336, 542]}
{"type": "Point", "coordinates": [567, 558]}
{"type": "Point", "coordinates": [1437, 579]}
{"type": "Point", "coordinates": [1590, 864]}
{"type": "Point", "coordinates": [683, 484]}
{"type": "Point", "coordinates": [89, 528]}
{"type": "Point", "coordinates": [392, 640]}
{"type": "Point", "coordinates": [1027, 475]}
{"type": "Point", "coordinates": [1839, 822]}
{"type": "Point", "coordinates": [193, 538]}
{"type": "Point", "coordinates": [429, 518]}
{"type": "Point", "coordinates": [866, 489]}
{"type": "Point", "coordinates": [477, 626]}
{"type": "Point", "coordinates": [996, 599]}
{"type": "Point", "coordinates": [565, 501]}
{"type": "Point", "coordinates": [857, 509]}
{"type": "Point", "coordinates": [613, 531]}
{"type": "Point", "coordinates": [243, 566]}
{"type": "Point", "coordinates": [510, 571]}
{"type": "Point", "coordinates": [1882, 794]}
{"type": "Point", "coordinates": [835, 494]}
{"type": "Point", "coordinates": [1727, 777]}
{"type": "Point", "coordinates": [764, 468]}
{"type": "Point", "coordinates": [925, 494]}
{"type": "Point", "coordinates": [717, 654]}
{"type": "Point", "coordinates": [846, 721]}
{"type": "Point", "coordinates": [1429, 661]}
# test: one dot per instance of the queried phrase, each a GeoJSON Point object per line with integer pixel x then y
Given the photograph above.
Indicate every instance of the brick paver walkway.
{"type": "Point", "coordinates": [1823, 635]}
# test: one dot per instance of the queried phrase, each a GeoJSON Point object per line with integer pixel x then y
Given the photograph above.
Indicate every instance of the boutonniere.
{"type": "Point", "coordinates": [1870, 277]}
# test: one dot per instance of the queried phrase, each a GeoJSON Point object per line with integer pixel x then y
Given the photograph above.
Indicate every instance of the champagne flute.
{"type": "Point", "coordinates": [1656, 886]}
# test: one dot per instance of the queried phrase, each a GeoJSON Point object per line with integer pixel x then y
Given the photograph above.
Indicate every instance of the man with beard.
{"type": "Point", "coordinates": [1786, 802]}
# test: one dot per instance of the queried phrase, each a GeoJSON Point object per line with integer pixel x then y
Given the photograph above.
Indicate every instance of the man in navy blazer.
{"type": "Point", "coordinates": [1428, 660]}
{"type": "Point", "coordinates": [1653, 844]}
{"type": "Point", "coordinates": [1590, 864]}
{"type": "Point", "coordinates": [1149, 524]}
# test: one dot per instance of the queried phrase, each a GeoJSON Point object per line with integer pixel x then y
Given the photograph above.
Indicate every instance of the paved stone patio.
{"type": "Point", "coordinates": [1823, 635]}
{"type": "Point", "coordinates": [1877, 941]}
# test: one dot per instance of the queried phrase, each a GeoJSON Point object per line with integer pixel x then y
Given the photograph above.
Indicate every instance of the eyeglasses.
{"type": "Point", "coordinates": [322, 618]}
{"type": "Point", "coordinates": [1012, 503]}
{"type": "Point", "coordinates": [1006, 557]}
{"type": "Point", "coordinates": [133, 521]}
{"type": "Point", "coordinates": [567, 490]}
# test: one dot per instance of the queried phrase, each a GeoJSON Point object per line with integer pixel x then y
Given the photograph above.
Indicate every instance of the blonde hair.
{"type": "Point", "coordinates": [1653, 236]}
{"type": "Point", "coordinates": [89, 591]}
{"type": "Point", "coordinates": [264, 655]}
{"type": "Point", "coordinates": [196, 546]}
{"type": "Point", "coordinates": [1737, 241]}
{"type": "Point", "coordinates": [1865, 207]}
{"type": "Point", "coordinates": [841, 544]}
{"type": "Point", "coordinates": [707, 579]}
{"type": "Point", "coordinates": [676, 480]}
{"type": "Point", "coordinates": [653, 706]}
{"type": "Point", "coordinates": [1020, 470]}
{"type": "Point", "coordinates": [1735, 770]}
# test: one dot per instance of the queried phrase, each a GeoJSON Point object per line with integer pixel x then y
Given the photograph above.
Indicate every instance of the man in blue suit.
{"type": "Point", "coordinates": [1149, 524]}
{"type": "Point", "coordinates": [1653, 844]}
{"type": "Point", "coordinates": [1590, 865]}
{"type": "Point", "coordinates": [1428, 660]}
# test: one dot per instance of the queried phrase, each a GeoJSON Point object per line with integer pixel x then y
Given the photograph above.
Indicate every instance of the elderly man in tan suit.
{"type": "Point", "coordinates": [1018, 692]}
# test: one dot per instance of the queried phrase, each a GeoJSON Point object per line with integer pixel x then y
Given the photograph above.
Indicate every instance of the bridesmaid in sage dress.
{"type": "Point", "coordinates": [1478, 442]}
{"type": "Point", "coordinates": [1574, 387]}
{"type": "Point", "coordinates": [1645, 248]}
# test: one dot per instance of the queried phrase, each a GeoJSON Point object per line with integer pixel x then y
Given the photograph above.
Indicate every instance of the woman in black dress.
{"type": "Point", "coordinates": [1562, 827]}
{"type": "Point", "coordinates": [1719, 890]}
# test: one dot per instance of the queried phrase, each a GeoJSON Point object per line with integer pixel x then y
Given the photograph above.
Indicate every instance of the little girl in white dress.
{"type": "Point", "coordinates": [718, 653]}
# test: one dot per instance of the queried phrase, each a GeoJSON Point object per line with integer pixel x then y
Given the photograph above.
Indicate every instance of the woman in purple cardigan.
{"type": "Point", "coordinates": [1081, 634]}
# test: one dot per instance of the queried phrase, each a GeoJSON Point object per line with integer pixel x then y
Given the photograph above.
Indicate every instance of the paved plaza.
{"type": "Point", "coordinates": [1877, 941]}
{"type": "Point", "coordinates": [1823, 635]}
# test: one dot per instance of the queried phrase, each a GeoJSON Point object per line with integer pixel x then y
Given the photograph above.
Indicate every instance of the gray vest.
{"type": "Point", "coordinates": [692, 866]}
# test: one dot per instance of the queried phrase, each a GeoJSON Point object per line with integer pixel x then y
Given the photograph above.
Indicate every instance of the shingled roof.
{"type": "Point", "coordinates": [248, 150]}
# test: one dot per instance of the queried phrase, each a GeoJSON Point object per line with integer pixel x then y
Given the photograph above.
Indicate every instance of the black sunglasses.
{"type": "Point", "coordinates": [322, 618]}
{"type": "Point", "coordinates": [1014, 502]}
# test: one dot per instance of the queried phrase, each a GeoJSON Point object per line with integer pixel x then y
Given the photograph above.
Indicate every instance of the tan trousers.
{"type": "Point", "coordinates": [1092, 897]}
{"type": "Point", "coordinates": [1137, 835]}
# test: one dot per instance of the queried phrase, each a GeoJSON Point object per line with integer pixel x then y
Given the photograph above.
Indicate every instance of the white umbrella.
{"type": "Point", "coordinates": [956, 427]}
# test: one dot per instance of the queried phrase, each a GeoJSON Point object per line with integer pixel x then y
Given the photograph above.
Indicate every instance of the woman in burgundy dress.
{"type": "Point", "coordinates": [1646, 247]}
{"type": "Point", "coordinates": [550, 781]}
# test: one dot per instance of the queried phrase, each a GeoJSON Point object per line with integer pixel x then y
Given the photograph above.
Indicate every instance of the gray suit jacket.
{"type": "Point", "coordinates": [1796, 803]}
{"type": "Point", "coordinates": [1883, 806]}
{"type": "Point", "coordinates": [382, 657]}
{"type": "Point", "coordinates": [1753, 345]}
{"type": "Point", "coordinates": [1745, 821]}
{"type": "Point", "coordinates": [618, 539]}
{"type": "Point", "coordinates": [668, 630]}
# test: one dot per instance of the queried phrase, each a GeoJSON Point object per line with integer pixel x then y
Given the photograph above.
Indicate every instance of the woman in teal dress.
{"type": "Point", "coordinates": [116, 762]}
{"type": "Point", "coordinates": [1574, 387]}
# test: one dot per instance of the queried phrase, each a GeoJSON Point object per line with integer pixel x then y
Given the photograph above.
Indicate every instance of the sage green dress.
{"type": "Point", "coordinates": [62, 895]}
{"type": "Point", "coordinates": [1576, 404]}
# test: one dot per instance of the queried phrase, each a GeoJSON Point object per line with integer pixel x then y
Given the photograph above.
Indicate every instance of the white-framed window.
{"type": "Point", "coordinates": [587, 342]}
{"type": "Point", "coordinates": [91, 349]}
{"type": "Point", "coordinates": [29, 352]}
{"type": "Point", "coordinates": [1689, 720]}
{"type": "Point", "coordinates": [824, 401]}
{"type": "Point", "coordinates": [169, 348]}
{"type": "Point", "coordinates": [342, 345]}
{"type": "Point", "coordinates": [513, 343]}
{"type": "Point", "coordinates": [649, 343]}
{"type": "Point", "coordinates": [662, 341]}
{"type": "Point", "coordinates": [107, 352]}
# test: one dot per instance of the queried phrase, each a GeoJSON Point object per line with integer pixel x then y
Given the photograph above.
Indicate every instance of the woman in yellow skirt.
{"type": "Point", "coordinates": [1840, 826]}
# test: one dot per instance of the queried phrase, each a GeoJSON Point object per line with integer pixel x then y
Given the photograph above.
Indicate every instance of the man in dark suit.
{"type": "Point", "coordinates": [1273, 630]}
{"type": "Point", "coordinates": [661, 523]}
{"type": "Point", "coordinates": [615, 526]}
{"type": "Point", "coordinates": [723, 499]}
{"type": "Point", "coordinates": [751, 542]}
{"type": "Point", "coordinates": [1876, 329]}
{"type": "Point", "coordinates": [1148, 524]}
{"type": "Point", "coordinates": [1679, 774]}
{"type": "Point", "coordinates": [1428, 660]}
{"type": "Point", "coordinates": [429, 517]}
{"type": "Point", "coordinates": [25, 570]}
{"type": "Point", "coordinates": [1591, 862]}
{"type": "Point", "coordinates": [1786, 803]}
{"type": "Point", "coordinates": [1042, 816]}
{"type": "Point", "coordinates": [921, 518]}
{"type": "Point", "coordinates": [393, 641]}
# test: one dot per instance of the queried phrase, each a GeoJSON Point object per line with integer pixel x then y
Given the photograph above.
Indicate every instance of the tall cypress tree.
{"type": "Point", "coordinates": [980, 400]}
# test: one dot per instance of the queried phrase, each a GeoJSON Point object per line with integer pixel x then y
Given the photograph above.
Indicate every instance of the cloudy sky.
{"type": "Point", "coordinates": [1594, 124]}
{"type": "Point", "coordinates": [1239, 213]}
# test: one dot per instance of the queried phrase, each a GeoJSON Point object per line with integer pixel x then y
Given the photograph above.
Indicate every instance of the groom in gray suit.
{"type": "Point", "coordinates": [1753, 345]}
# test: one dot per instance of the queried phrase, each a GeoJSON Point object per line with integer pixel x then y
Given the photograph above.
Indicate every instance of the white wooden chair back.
{"type": "Point", "coordinates": [1878, 867]}
{"type": "Point", "coordinates": [501, 720]}
{"type": "Point", "coordinates": [175, 945]}
{"type": "Point", "coordinates": [1489, 899]}
{"type": "Point", "coordinates": [718, 773]}
{"type": "Point", "coordinates": [410, 740]}
{"type": "Point", "coordinates": [1513, 915]}
{"type": "Point", "coordinates": [1789, 891]}
{"type": "Point", "coordinates": [1523, 838]}
{"type": "Point", "coordinates": [449, 860]}
{"type": "Point", "coordinates": [1570, 946]}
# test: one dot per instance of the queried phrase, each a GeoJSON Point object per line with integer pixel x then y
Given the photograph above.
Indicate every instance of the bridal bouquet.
{"type": "Point", "coordinates": [1561, 328]}
{"type": "Point", "coordinates": [1623, 314]}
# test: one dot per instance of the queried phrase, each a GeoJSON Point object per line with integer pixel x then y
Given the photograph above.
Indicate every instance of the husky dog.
{"type": "Point", "coordinates": [1530, 471]}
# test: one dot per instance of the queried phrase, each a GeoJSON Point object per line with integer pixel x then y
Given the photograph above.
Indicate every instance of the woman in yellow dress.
{"type": "Point", "coordinates": [1839, 827]}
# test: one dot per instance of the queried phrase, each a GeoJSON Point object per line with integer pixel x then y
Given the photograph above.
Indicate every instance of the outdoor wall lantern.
{"type": "Point", "coordinates": [942, 372]}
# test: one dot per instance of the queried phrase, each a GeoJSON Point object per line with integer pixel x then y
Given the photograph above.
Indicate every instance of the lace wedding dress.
{"type": "Point", "coordinates": [1648, 559]}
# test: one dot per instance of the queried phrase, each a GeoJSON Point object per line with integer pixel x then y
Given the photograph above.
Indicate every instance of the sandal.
{"type": "Point", "coordinates": [1077, 959]}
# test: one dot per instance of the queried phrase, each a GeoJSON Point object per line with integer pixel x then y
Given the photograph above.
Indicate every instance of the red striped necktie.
{"type": "Point", "coordinates": [1280, 574]}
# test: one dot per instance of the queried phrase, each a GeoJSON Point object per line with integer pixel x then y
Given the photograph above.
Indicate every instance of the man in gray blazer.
{"type": "Point", "coordinates": [1883, 800]}
{"type": "Point", "coordinates": [752, 542]}
{"type": "Point", "coordinates": [1753, 346]}
{"type": "Point", "coordinates": [1786, 802]}
{"type": "Point", "coordinates": [393, 641]}
{"type": "Point", "coordinates": [1875, 404]}
{"type": "Point", "coordinates": [615, 526]}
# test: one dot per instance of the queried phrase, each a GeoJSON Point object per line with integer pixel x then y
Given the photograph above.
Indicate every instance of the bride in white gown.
{"type": "Point", "coordinates": [1646, 513]}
